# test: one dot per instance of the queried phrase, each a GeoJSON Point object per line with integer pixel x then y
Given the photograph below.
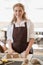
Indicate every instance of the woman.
{"type": "Point", "coordinates": [20, 35]}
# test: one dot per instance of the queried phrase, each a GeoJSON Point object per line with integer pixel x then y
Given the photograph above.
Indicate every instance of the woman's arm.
{"type": "Point", "coordinates": [9, 44]}
{"type": "Point", "coordinates": [31, 38]}
{"type": "Point", "coordinates": [9, 47]}
{"type": "Point", "coordinates": [26, 52]}
{"type": "Point", "coordinates": [9, 38]}
{"type": "Point", "coordinates": [31, 42]}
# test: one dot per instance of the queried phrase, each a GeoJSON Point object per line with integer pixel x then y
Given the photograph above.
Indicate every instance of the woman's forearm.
{"type": "Point", "coordinates": [30, 45]}
{"type": "Point", "coordinates": [9, 44]}
{"type": "Point", "coordinates": [26, 52]}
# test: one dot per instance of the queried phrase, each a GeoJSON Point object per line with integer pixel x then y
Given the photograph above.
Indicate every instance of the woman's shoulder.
{"type": "Point", "coordinates": [28, 21]}
{"type": "Point", "coordinates": [10, 26]}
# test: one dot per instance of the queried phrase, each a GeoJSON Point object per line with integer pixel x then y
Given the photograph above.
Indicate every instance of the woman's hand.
{"type": "Point", "coordinates": [10, 51]}
{"type": "Point", "coordinates": [22, 54]}
{"type": "Point", "coordinates": [25, 53]}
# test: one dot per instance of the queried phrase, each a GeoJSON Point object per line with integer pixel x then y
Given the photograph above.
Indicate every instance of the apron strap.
{"type": "Point", "coordinates": [25, 24]}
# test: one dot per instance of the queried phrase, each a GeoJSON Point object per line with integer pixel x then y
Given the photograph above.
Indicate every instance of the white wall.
{"type": "Point", "coordinates": [38, 25]}
{"type": "Point", "coordinates": [34, 10]}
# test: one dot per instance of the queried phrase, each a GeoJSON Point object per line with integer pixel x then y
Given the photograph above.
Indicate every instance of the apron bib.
{"type": "Point", "coordinates": [20, 38]}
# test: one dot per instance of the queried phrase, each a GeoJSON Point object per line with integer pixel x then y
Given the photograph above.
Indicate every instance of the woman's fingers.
{"type": "Point", "coordinates": [6, 51]}
{"type": "Point", "coordinates": [23, 54]}
{"type": "Point", "coordinates": [9, 51]}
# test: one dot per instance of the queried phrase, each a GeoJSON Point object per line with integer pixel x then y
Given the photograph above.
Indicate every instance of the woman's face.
{"type": "Point", "coordinates": [18, 12]}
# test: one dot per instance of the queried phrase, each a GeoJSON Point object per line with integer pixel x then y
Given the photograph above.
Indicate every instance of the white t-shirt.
{"type": "Point", "coordinates": [30, 29]}
{"type": "Point", "coordinates": [1, 43]}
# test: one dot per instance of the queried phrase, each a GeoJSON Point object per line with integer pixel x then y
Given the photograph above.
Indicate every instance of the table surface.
{"type": "Point", "coordinates": [30, 56]}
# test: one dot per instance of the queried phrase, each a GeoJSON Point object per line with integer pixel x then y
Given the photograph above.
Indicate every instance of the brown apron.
{"type": "Point", "coordinates": [20, 38]}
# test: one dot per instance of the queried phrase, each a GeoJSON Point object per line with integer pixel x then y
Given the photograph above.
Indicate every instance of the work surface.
{"type": "Point", "coordinates": [20, 60]}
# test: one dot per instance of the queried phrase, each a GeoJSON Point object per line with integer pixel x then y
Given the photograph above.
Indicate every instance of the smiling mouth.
{"type": "Point", "coordinates": [18, 15]}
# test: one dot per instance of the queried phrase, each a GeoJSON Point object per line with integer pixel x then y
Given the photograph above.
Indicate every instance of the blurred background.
{"type": "Point", "coordinates": [34, 11]}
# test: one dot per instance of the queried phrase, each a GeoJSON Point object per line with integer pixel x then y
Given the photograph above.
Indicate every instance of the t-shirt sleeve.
{"type": "Point", "coordinates": [1, 43]}
{"type": "Point", "coordinates": [31, 30]}
{"type": "Point", "coordinates": [9, 33]}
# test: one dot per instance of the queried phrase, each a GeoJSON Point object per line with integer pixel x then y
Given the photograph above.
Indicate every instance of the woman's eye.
{"type": "Point", "coordinates": [15, 10]}
{"type": "Point", "coordinates": [18, 10]}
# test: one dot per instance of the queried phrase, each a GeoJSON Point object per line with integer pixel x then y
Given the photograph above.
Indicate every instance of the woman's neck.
{"type": "Point", "coordinates": [19, 20]}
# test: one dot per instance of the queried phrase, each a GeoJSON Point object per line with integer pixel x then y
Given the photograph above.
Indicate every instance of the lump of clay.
{"type": "Point", "coordinates": [8, 56]}
{"type": "Point", "coordinates": [26, 61]}
{"type": "Point", "coordinates": [35, 61]}
{"type": "Point", "coordinates": [16, 55]}
{"type": "Point", "coordinates": [12, 55]}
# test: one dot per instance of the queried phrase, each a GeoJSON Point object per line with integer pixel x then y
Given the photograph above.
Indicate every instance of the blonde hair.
{"type": "Point", "coordinates": [23, 17]}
